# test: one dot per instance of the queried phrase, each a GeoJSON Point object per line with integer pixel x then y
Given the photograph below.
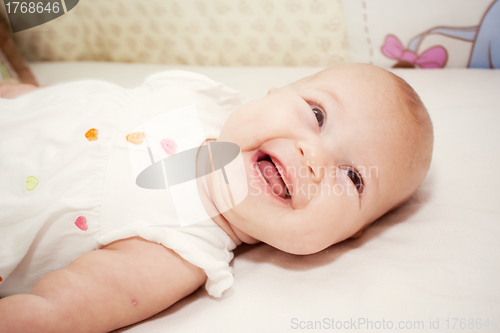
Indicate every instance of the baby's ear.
{"type": "Point", "coordinates": [271, 90]}
{"type": "Point", "coordinates": [358, 234]}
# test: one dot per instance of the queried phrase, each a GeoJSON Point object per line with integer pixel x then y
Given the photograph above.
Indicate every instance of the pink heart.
{"type": "Point", "coordinates": [169, 146]}
{"type": "Point", "coordinates": [81, 222]}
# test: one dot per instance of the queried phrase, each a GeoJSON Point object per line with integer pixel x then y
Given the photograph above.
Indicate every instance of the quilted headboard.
{"type": "Point", "coordinates": [193, 32]}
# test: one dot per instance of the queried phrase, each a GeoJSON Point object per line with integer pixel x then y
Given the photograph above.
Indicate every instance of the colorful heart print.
{"type": "Point", "coordinates": [136, 138]}
{"type": "Point", "coordinates": [31, 183]}
{"type": "Point", "coordinates": [169, 146]}
{"type": "Point", "coordinates": [81, 223]}
{"type": "Point", "coordinates": [91, 134]}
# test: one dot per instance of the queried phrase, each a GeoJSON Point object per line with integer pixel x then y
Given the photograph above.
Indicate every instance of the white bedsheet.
{"type": "Point", "coordinates": [435, 258]}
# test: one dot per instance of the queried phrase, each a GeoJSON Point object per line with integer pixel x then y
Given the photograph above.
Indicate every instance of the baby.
{"type": "Point", "coordinates": [325, 157]}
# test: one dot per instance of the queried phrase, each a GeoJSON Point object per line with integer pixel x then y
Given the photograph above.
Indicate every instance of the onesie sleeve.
{"type": "Point", "coordinates": [201, 247]}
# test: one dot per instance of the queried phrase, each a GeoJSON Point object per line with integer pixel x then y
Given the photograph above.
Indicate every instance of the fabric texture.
{"type": "Point", "coordinates": [424, 34]}
{"type": "Point", "coordinates": [66, 183]}
{"type": "Point", "coordinates": [194, 32]}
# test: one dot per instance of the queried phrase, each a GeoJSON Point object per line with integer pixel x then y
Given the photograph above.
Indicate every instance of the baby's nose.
{"type": "Point", "coordinates": [313, 158]}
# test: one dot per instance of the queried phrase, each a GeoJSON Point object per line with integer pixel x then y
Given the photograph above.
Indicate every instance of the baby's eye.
{"type": "Point", "coordinates": [320, 115]}
{"type": "Point", "coordinates": [355, 178]}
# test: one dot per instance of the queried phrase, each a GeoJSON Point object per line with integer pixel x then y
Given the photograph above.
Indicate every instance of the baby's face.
{"type": "Point", "coordinates": [339, 142]}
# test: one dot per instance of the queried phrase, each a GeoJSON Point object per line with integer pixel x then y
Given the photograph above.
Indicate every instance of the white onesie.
{"type": "Point", "coordinates": [66, 185]}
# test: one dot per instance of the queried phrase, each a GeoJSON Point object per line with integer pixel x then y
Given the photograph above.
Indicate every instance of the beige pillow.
{"type": "Point", "coordinates": [194, 32]}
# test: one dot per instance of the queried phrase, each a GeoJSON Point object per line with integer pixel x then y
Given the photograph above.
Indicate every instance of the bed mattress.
{"type": "Point", "coordinates": [433, 263]}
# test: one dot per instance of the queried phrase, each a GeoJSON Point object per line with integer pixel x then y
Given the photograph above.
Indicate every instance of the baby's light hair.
{"type": "Point", "coordinates": [411, 101]}
{"type": "Point", "coordinates": [422, 135]}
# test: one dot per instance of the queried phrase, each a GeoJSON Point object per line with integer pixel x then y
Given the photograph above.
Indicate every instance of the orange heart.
{"type": "Point", "coordinates": [91, 134]}
{"type": "Point", "coordinates": [1, 279]}
{"type": "Point", "coordinates": [136, 138]}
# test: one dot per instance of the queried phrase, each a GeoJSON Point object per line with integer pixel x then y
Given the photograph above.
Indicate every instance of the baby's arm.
{"type": "Point", "coordinates": [123, 283]}
{"type": "Point", "coordinates": [13, 90]}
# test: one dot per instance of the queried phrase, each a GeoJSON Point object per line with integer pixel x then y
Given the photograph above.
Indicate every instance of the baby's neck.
{"type": "Point", "coordinates": [219, 219]}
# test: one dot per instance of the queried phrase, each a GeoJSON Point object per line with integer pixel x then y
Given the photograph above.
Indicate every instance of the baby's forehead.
{"type": "Point", "coordinates": [358, 81]}
{"type": "Point", "coordinates": [355, 73]}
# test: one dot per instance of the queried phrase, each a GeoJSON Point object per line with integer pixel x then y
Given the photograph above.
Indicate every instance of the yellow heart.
{"type": "Point", "coordinates": [31, 183]}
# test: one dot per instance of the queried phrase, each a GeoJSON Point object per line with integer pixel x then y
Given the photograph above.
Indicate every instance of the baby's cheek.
{"type": "Point", "coordinates": [251, 124]}
{"type": "Point", "coordinates": [335, 206]}
{"type": "Point", "coordinates": [242, 133]}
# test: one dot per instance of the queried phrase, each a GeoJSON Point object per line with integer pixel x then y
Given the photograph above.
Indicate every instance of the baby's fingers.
{"type": "Point", "coordinates": [13, 90]}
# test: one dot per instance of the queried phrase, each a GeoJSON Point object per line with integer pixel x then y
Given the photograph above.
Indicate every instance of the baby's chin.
{"type": "Point", "coordinates": [302, 249]}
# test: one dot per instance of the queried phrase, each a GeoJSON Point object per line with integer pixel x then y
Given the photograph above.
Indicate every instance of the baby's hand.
{"type": "Point", "coordinates": [13, 90]}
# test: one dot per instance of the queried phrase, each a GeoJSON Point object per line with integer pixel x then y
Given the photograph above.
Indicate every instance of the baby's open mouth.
{"type": "Point", "coordinates": [273, 177]}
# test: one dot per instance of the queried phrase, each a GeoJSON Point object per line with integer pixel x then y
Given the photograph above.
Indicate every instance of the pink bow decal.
{"type": "Point", "coordinates": [435, 57]}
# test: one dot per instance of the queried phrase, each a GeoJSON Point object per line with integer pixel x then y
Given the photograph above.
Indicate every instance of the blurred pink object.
{"type": "Point", "coordinates": [435, 57]}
